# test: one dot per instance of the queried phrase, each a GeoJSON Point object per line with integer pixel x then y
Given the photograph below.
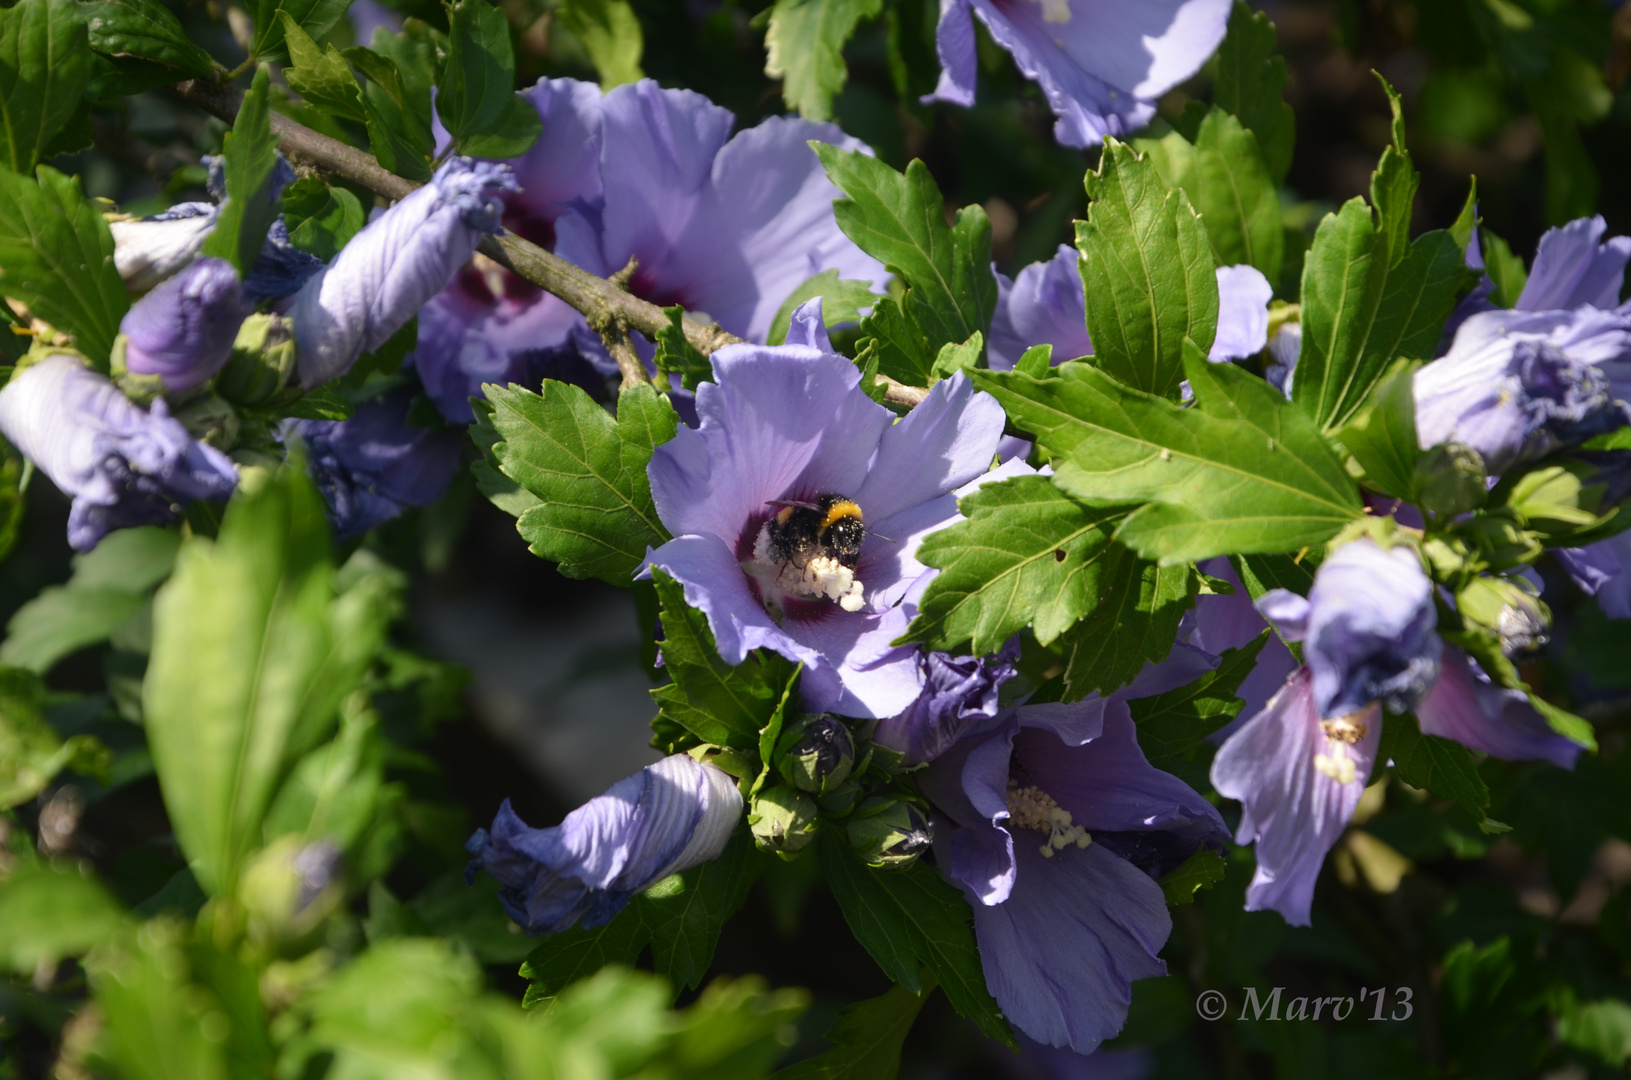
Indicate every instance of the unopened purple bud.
{"type": "Point", "coordinates": [390, 269]}
{"type": "Point", "coordinates": [183, 330]}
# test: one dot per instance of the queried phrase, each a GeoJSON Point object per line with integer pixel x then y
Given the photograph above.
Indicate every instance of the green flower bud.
{"type": "Point", "coordinates": [889, 834]}
{"type": "Point", "coordinates": [263, 358]}
{"type": "Point", "coordinates": [289, 889]}
{"type": "Point", "coordinates": [816, 754]}
{"type": "Point", "coordinates": [1508, 609]}
{"type": "Point", "coordinates": [1450, 480]}
{"type": "Point", "coordinates": [782, 820]}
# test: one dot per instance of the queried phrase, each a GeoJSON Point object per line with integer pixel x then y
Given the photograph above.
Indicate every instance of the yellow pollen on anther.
{"type": "Point", "coordinates": [1055, 11]}
{"type": "Point", "coordinates": [1033, 808]}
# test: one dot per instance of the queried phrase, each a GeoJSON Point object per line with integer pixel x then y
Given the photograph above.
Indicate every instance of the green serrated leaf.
{"type": "Point", "coordinates": [1504, 268]}
{"type": "Point", "coordinates": [866, 1039]}
{"type": "Point", "coordinates": [315, 17]}
{"type": "Point", "coordinates": [478, 85]}
{"type": "Point", "coordinates": [1236, 196]}
{"type": "Point", "coordinates": [804, 48]}
{"type": "Point", "coordinates": [511, 135]}
{"type": "Point", "coordinates": [56, 256]}
{"type": "Point", "coordinates": [321, 76]}
{"type": "Point", "coordinates": [1147, 266]}
{"type": "Point", "coordinates": [575, 954]}
{"type": "Point", "coordinates": [676, 355]}
{"type": "Point", "coordinates": [45, 67]}
{"type": "Point", "coordinates": [321, 219]}
{"type": "Point", "coordinates": [1445, 768]}
{"type": "Point", "coordinates": [1574, 728]}
{"type": "Point", "coordinates": [396, 113]}
{"type": "Point", "coordinates": [892, 343]}
{"type": "Point", "coordinates": [610, 33]}
{"type": "Point", "coordinates": [1240, 471]}
{"type": "Point", "coordinates": [144, 32]}
{"type": "Point", "coordinates": [1136, 622]}
{"type": "Point", "coordinates": [500, 490]}
{"type": "Point", "coordinates": [1028, 554]}
{"type": "Point", "coordinates": [842, 301]}
{"type": "Point", "coordinates": [1172, 724]}
{"type": "Point", "coordinates": [1382, 437]}
{"type": "Point", "coordinates": [911, 919]}
{"type": "Point", "coordinates": [899, 219]}
{"type": "Point", "coordinates": [250, 157]}
{"type": "Point", "coordinates": [595, 515]}
{"type": "Point", "coordinates": [1251, 85]}
{"type": "Point", "coordinates": [1369, 294]}
{"type": "Point", "coordinates": [718, 702]}
{"type": "Point", "coordinates": [1201, 870]}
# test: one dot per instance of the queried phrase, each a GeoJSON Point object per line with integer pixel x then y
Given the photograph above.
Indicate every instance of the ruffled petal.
{"type": "Point", "coordinates": [954, 42]}
{"type": "Point", "coordinates": [1574, 267]}
{"type": "Point", "coordinates": [1044, 305]}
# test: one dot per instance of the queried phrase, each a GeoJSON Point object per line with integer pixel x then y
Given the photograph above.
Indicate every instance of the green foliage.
{"type": "Point", "coordinates": [56, 256]}
{"type": "Point", "coordinates": [142, 44]}
{"type": "Point", "coordinates": [1147, 266]}
{"type": "Point", "coordinates": [1251, 84]}
{"type": "Point", "coordinates": [476, 96]}
{"type": "Point", "coordinates": [321, 218]}
{"type": "Point", "coordinates": [718, 702]}
{"type": "Point", "coordinates": [898, 219]}
{"type": "Point", "coordinates": [253, 651]}
{"type": "Point", "coordinates": [315, 17]}
{"type": "Point", "coordinates": [250, 162]}
{"type": "Point", "coordinates": [110, 586]}
{"type": "Point", "coordinates": [1382, 435]}
{"type": "Point", "coordinates": [804, 47]}
{"type": "Point", "coordinates": [911, 919]}
{"type": "Point", "coordinates": [676, 355]}
{"type": "Point", "coordinates": [396, 114]}
{"type": "Point", "coordinates": [610, 33]}
{"type": "Point", "coordinates": [321, 76]}
{"type": "Point", "coordinates": [1236, 196]}
{"type": "Point", "coordinates": [1445, 768]}
{"type": "Point", "coordinates": [45, 68]}
{"type": "Point", "coordinates": [1200, 871]}
{"type": "Point", "coordinates": [588, 472]}
{"type": "Point", "coordinates": [1173, 724]}
{"type": "Point", "coordinates": [841, 302]}
{"type": "Point", "coordinates": [1241, 471]}
{"type": "Point", "coordinates": [892, 343]}
{"type": "Point", "coordinates": [1028, 554]}
{"type": "Point", "coordinates": [49, 911]}
{"type": "Point", "coordinates": [31, 753]}
{"type": "Point", "coordinates": [1134, 623]}
{"type": "Point", "coordinates": [867, 1038]}
{"type": "Point", "coordinates": [1371, 295]}
{"type": "Point", "coordinates": [678, 918]}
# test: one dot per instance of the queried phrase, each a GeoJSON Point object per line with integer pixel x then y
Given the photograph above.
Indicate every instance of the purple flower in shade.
{"type": "Point", "coordinates": [724, 225]}
{"type": "Point", "coordinates": [668, 817]}
{"type": "Point", "coordinates": [1101, 63]}
{"type": "Point", "coordinates": [959, 697]}
{"type": "Point", "coordinates": [150, 249]}
{"type": "Point", "coordinates": [375, 465]}
{"type": "Point", "coordinates": [1283, 349]}
{"type": "Point", "coordinates": [1516, 386]}
{"type": "Point", "coordinates": [400, 260]}
{"type": "Point", "coordinates": [790, 422]}
{"type": "Point", "coordinates": [1056, 828]}
{"type": "Point", "coordinates": [183, 330]}
{"type": "Point", "coordinates": [122, 465]}
{"type": "Point", "coordinates": [1465, 706]}
{"type": "Point", "coordinates": [1220, 621]}
{"type": "Point", "coordinates": [281, 268]}
{"type": "Point", "coordinates": [1603, 570]}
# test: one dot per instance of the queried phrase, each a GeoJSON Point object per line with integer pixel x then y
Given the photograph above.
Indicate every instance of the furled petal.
{"type": "Point", "coordinates": [1044, 305]}
{"type": "Point", "coordinates": [668, 817]}
{"type": "Point", "coordinates": [399, 261]}
{"type": "Point", "coordinates": [1100, 62]}
{"type": "Point", "coordinates": [1243, 313]}
{"type": "Point", "coordinates": [183, 330]}
{"type": "Point", "coordinates": [959, 698]}
{"type": "Point", "coordinates": [148, 250]}
{"type": "Point", "coordinates": [808, 328]}
{"type": "Point", "coordinates": [1575, 266]}
{"type": "Point", "coordinates": [1061, 954]}
{"type": "Point", "coordinates": [1294, 811]}
{"type": "Point", "coordinates": [375, 465]}
{"type": "Point", "coordinates": [954, 42]}
{"type": "Point", "coordinates": [1284, 348]}
{"type": "Point", "coordinates": [1465, 706]}
{"type": "Point", "coordinates": [121, 464]}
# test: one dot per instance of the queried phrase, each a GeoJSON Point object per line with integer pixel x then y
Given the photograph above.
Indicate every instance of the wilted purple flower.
{"type": "Point", "coordinates": [790, 423]}
{"type": "Point", "coordinates": [726, 226]}
{"type": "Point", "coordinates": [122, 465]}
{"type": "Point", "coordinates": [959, 697]}
{"type": "Point", "coordinates": [1101, 63]}
{"type": "Point", "coordinates": [668, 817]}
{"type": "Point", "coordinates": [1056, 827]}
{"type": "Point", "coordinates": [1283, 350]}
{"type": "Point", "coordinates": [1516, 386]}
{"type": "Point", "coordinates": [1465, 706]}
{"type": "Point", "coordinates": [375, 465]}
{"type": "Point", "coordinates": [400, 260]}
{"type": "Point", "coordinates": [183, 330]}
{"type": "Point", "coordinates": [281, 268]}
{"type": "Point", "coordinates": [150, 249]}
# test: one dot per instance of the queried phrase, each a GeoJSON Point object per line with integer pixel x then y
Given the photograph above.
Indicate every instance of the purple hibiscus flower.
{"type": "Point", "coordinates": [183, 330]}
{"type": "Point", "coordinates": [121, 464]}
{"type": "Point", "coordinates": [1300, 765]}
{"type": "Point", "coordinates": [1101, 63]}
{"type": "Point", "coordinates": [726, 226]}
{"type": "Point", "coordinates": [385, 274]}
{"type": "Point", "coordinates": [668, 817]}
{"type": "Point", "coordinates": [789, 426]}
{"type": "Point", "coordinates": [1056, 827]}
{"type": "Point", "coordinates": [375, 465]}
{"type": "Point", "coordinates": [1603, 570]}
{"type": "Point", "coordinates": [959, 694]}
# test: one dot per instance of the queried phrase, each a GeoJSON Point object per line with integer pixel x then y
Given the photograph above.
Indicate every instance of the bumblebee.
{"type": "Point", "coordinates": [831, 526]}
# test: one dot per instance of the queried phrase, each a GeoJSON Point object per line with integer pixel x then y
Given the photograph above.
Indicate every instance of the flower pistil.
{"type": "Point", "coordinates": [1032, 808]}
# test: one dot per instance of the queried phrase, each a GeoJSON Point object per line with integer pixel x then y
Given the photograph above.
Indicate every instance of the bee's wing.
{"type": "Point", "coordinates": [792, 502]}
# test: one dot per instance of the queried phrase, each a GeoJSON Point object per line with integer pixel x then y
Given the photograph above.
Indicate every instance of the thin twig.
{"type": "Point", "coordinates": [600, 301]}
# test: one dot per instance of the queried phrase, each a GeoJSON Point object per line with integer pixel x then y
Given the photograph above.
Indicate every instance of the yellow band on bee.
{"type": "Point", "coordinates": [840, 510]}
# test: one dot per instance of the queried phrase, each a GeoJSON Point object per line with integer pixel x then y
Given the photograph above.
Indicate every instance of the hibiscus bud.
{"type": "Point", "coordinates": [289, 889]}
{"type": "Point", "coordinates": [183, 330]}
{"type": "Point", "coordinates": [783, 821]}
{"type": "Point", "coordinates": [261, 363]}
{"type": "Point", "coordinates": [1505, 608]}
{"type": "Point", "coordinates": [888, 834]}
{"type": "Point", "coordinates": [1450, 479]}
{"type": "Point", "coordinates": [816, 754]}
